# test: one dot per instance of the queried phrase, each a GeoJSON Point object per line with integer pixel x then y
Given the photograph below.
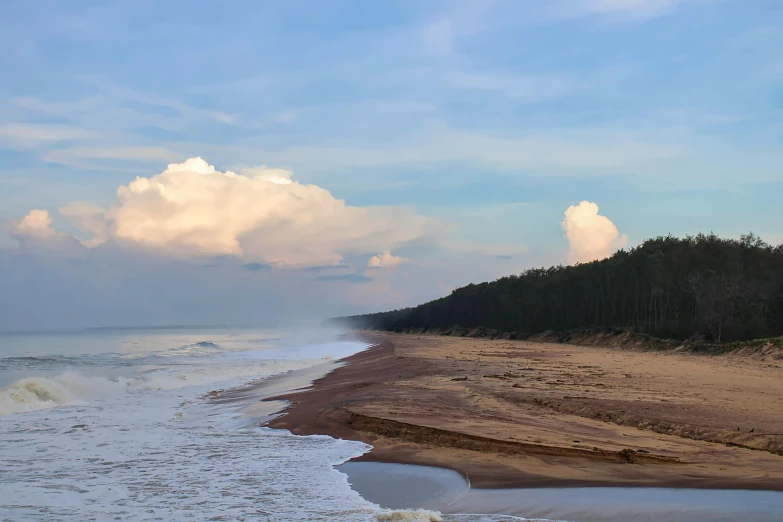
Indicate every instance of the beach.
{"type": "Point", "coordinates": [511, 414]}
{"type": "Point", "coordinates": [182, 425]}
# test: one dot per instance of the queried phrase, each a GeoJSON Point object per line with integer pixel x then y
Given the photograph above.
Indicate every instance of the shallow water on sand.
{"type": "Point", "coordinates": [406, 486]}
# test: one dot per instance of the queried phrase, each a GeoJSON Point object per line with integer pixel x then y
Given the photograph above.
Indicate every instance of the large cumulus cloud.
{"type": "Point", "coordinates": [259, 215]}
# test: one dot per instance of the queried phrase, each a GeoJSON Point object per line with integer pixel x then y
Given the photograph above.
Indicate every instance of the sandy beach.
{"type": "Point", "coordinates": [519, 414]}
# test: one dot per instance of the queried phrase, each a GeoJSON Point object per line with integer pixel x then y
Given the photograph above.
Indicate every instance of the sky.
{"type": "Point", "coordinates": [252, 162]}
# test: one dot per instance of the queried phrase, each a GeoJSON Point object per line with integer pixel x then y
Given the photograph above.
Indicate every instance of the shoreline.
{"type": "Point", "coordinates": [402, 486]}
{"type": "Point", "coordinates": [417, 402]}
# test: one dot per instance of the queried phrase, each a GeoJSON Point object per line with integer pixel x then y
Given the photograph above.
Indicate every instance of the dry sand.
{"type": "Point", "coordinates": [515, 413]}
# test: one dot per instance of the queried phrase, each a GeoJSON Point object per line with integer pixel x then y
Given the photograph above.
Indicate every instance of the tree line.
{"type": "Point", "coordinates": [699, 287]}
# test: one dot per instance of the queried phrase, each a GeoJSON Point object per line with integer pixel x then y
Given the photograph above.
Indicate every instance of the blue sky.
{"type": "Point", "coordinates": [492, 116]}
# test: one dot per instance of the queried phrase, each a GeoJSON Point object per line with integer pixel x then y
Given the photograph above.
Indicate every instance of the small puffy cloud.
{"type": "Point", "coordinates": [36, 224]}
{"type": "Point", "coordinates": [384, 260]}
{"type": "Point", "coordinates": [590, 235]}
{"type": "Point", "coordinates": [260, 215]}
{"type": "Point", "coordinates": [35, 232]}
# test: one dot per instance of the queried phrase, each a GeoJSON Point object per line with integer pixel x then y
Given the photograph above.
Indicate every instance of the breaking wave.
{"type": "Point", "coordinates": [40, 393]}
{"type": "Point", "coordinates": [201, 348]}
{"type": "Point", "coordinates": [74, 388]}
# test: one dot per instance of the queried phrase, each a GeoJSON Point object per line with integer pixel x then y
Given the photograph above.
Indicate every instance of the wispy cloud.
{"type": "Point", "coordinates": [77, 156]}
{"type": "Point", "coordinates": [575, 151]}
{"type": "Point", "coordinates": [635, 10]}
{"type": "Point", "coordinates": [25, 135]}
{"type": "Point", "coordinates": [120, 93]}
{"type": "Point", "coordinates": [518, 87]}
{"type": "Point", "coordinates": [65, 109]}
{"type": "Point", "coordinates": [111, 117]}
{"type": "Point", "coordinates": [639, 8]}
{"type": "Point", "coordinates": [438, 37]}
{"type": "Point", "coordinates": [346, 278]}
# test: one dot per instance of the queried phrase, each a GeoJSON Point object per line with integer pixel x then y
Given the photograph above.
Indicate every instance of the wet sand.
{"type": "Point", "coordinates": [516, 414]}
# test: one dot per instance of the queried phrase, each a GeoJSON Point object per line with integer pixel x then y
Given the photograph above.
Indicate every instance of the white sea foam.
{"type": "Point", "coordinates": [408, 515]}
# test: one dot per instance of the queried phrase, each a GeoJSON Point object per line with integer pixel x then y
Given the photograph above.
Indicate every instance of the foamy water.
{"type": "Point", "coordinates": [114, 426]}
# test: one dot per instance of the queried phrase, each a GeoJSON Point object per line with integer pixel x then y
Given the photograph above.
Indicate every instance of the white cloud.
{"type": "Point", "coordinates": [384, 260]}
{"type": "Point", "coordinates": [520, 88]}
{"type": "Point", "coordinates": [590, 235]}
{"type": "Point", "coordinates": [76, 155]}
{"type": "Point", "coordinates": [29, 135]}
{"type": "Point", "coordinates": [285, 117]}
{"type": "Point", "coordinates": [36, 224]}
{"type": "Point", "coordinates": [634, 9]}
{"type": "Point", "coordinates": [261, 215]}
{"type": "Point", "coordinates": [111, 115]}
{"type": "Point", "coordinates": [569, 151]}
{"type": "Point", "coordinates": [65, 109]}
{"type": "Point", "coordinates": [34, 232]}
{"type": "Point", "coordinates": [278, 176]}
{"type": "Point", "coordinates": [187, 112]}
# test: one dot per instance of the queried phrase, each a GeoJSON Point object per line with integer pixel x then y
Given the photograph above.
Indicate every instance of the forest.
{"type": "Point", "coordinates": [699, 287]}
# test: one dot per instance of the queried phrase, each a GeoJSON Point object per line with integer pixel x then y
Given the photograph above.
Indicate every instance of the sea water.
{"type": "Point", "coordinates": [116, 425]}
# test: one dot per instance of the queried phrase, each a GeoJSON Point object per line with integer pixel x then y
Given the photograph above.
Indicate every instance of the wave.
{"type": "Point", "coordinates": [48, 362]}
{"type": "Point", "coordinates": [73, 388]}
{"type": "Point", "coordinates": [201, 348]}
{"type": "Point", "coordinates": [41, 393]}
